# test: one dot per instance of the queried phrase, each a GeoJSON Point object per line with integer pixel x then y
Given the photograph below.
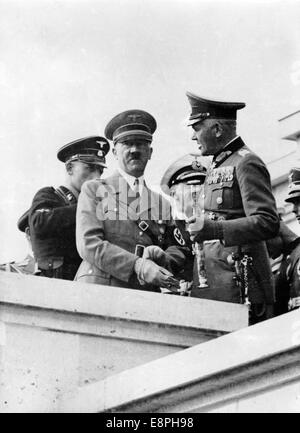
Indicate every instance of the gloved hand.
{"type": "Point", "coordinates": [156, 254]}
{"type": "Point", "coordinates": [160, 257]}
{"type": "Point", "coordinates": [149, 272]}
{"type": "Point", "coordinates": [202, 228]}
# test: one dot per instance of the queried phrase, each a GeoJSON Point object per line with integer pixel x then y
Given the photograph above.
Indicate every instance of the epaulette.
{"type": "Point", "coordinates": [243, 152]}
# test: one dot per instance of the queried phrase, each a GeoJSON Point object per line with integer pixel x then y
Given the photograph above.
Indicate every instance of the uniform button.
{"type": "Point", "coordinates": [90, 271]}
{"type": "Point", "coordinates": [141, 233]}
{"type": "Point", "coordinates": [203, 195]}
{"type": "Point", "coordinates": [219, 200]}
{"type": "Point", "coordinates": [221, 183]}
{"type": "Point", "coordinates": [115, 209]}
{"type": "Point", "coordinates": [203, 211]}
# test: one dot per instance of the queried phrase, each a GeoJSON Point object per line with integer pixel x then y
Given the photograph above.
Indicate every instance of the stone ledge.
{"type": "Point", "coordinates": [125, 304]}
{"type": "Point", "coordinates": [228, 368]}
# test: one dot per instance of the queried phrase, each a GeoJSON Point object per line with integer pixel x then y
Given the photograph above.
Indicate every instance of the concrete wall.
{"type": "Point", "coordinates": [256, 369]}
{"type": "Point", "coordinates": [57, 335]}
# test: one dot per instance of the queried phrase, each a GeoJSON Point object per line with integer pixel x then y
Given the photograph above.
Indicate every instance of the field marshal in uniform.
{"type": "Point", "coordinates": [123, 228]}
{"type": "Point", "coordinates": [53, 211]}
{"type": "Point", "coordinates": [239, 211]}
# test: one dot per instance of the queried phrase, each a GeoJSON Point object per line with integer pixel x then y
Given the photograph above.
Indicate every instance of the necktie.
{"type": "Point", "coordinates": [136, 189]}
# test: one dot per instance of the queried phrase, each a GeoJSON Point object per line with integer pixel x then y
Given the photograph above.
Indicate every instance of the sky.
{"type": "Point", "coordinates": [68, 66]}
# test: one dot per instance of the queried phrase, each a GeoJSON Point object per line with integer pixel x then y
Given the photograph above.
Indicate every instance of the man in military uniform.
{"type": "Point", "coordinates": [123, 228]}
{"type": "Point", "coordinates": [183, 182]}
{"type": "Point", "coordinates": [294, 191]}
{"type": "Point", "coordinates": [284, 251]}
{"type": "Point", "coordinates": [53, 212]}
{"type": "Point", "coordinates": [293, 268]}
{"type": "Point", "coordinates": [239, 211]}
{"type": "Point", "coordinates": [28, 265]}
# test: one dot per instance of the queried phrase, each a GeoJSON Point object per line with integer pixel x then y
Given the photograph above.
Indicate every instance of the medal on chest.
{"type": "Point", "coordinates": [220, 174]}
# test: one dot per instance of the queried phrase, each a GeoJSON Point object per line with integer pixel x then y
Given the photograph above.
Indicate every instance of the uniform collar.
{"type": "Point", "coordinates": [72, 190]}
{"type": "Point", "coordinates": [131, 179]}
{"type": "Point", "coordinates": [232, 146]}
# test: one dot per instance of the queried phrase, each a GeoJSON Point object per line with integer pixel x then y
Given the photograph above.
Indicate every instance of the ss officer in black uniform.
{"type": "Point", "coordinates": [239, 211]}
{"type": "Point", "coordinates": [53, 211]}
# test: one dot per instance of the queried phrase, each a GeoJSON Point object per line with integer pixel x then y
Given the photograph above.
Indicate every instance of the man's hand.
{"type": "Point", "coordinates": [203, 229]}
{"type": "Point", "coordinates": [194, 226]}
{"type": "Point", "coordinates": [156, 254]}
{"type": "Point", "coordinates": [150, 273]}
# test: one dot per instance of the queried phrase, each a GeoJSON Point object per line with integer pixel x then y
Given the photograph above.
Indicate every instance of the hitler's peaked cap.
{"type": "Point", "coordinates": [130, 125]}
{"type": "Point", "coordinates": [204, 108]}
{"type": "Point", "coordinates": [90, 150]}
{"type": "Point", "coordinates": [190, 169]}
{"type": "Point", "coordinates": [23, 221]}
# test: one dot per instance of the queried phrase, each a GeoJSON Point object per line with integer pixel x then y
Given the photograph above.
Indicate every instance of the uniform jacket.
{"type": "Point", "coordinates": [52, 229]}
{"type": "Point", "coordinates": [293, 270]}
{"type": "Point", "coordinates": [284, 251]}
{"type": "Point", "coordinates": [237, 194]}
{"type": "Point", "coordinates": [107, 231]}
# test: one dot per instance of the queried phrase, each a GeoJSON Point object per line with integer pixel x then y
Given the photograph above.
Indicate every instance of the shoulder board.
{"type": "Point", "coordinates": [243, 152]}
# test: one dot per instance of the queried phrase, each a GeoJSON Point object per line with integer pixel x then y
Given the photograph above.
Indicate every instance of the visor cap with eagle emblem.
{"type": "Point", "coordinates": [131, 125]}
{"type": "Point", "coordinates": [23, 221]}
{"type": "Point", "coordinates": [89, 150]}
{"type": "Point", "coordinates": [190, 169]}
{"type": "Point", "coordinates": [203, 108]}
{"type": "Point", "coordinates": [294, 185]}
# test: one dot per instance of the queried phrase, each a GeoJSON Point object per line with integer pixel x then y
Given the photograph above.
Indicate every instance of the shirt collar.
{"type": "Point", "coordinates": [131, 179]}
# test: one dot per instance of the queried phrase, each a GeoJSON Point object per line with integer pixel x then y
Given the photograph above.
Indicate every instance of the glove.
{"type": "Point", "coordinates": [150, 273]}
{"type": "Point", "coordinates": [203, 229]}
{"type": "Point", "coordinates": [160, 257]}
{"type": "Point", "coordinates": [156, 254]}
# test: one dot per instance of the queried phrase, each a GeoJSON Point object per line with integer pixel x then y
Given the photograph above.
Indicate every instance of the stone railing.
{"type": "Point", "coordinates": [256, 369]}
{"type": "Point", "coordinates": [59, 336]}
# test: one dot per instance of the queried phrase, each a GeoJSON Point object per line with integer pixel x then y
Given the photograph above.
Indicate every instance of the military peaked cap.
{"type": "Point", "coordinates": [23, 221]}
{"type": "Point", "coordinates": [90, 150]}
{"type": "Point", "coordinates": [294, 185]}
{"type": "Point", "coordinates": [190, 169]}
{"type": "Point", "coordinates": [130, 125]}
{"type": "Point", "coordinates": [204, 108]}
{"type": "Point", "coordinates": [294, 176]}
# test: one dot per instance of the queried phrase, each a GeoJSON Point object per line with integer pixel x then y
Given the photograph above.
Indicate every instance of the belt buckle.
{"type": "Point", "coordinates": [139, 250]}
{"type": "Point", "coordinates": [143, 225]}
